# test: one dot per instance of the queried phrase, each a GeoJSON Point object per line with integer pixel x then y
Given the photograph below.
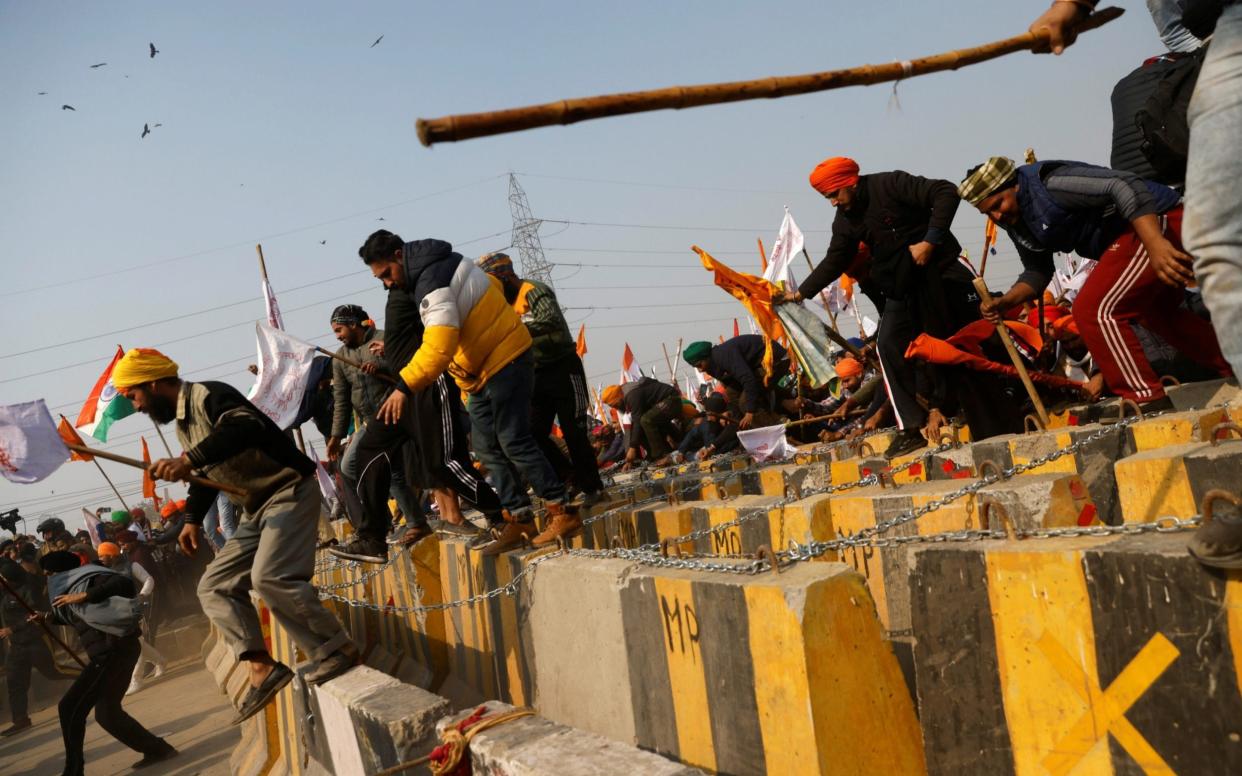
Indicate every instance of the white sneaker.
{"type": "Point", "coordinates": [134, 686]}
{"type": "Point", "coordinates": [158, 672]}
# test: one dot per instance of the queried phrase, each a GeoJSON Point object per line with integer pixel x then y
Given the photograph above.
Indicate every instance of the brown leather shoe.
{"type": "Point", "coordinates": [562, 522]}
{"type": "Point", "coordinates": [511, 536]}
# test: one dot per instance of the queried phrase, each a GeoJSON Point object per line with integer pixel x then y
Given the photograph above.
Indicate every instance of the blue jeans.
{"type": "Point", "coordinates": [223, 515]}
{"type": "Point", "coordinates": [1212, 229]}
{"type": "Point", "coordinates": [500, 428]}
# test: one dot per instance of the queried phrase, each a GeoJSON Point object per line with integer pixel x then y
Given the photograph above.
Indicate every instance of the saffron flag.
{"type": "Point", "coordinates": [148, 483]}
{"type": "Point", "coordinates": [104, 406]}
{"type": "Point", "coordinates": [581, 346]}
{"type": "Point", "coordinates": [284, 366]}
{"type": "Point", "coordinates": [69, 435]}
{"type": "Point", "coordinates": [736, 332]}
{"type": "Point", "coordinates": [754, 293]}
{"type": "Point", "coordinates": [30, 448]}
{"type": "Point", "coordinates": [965, 348]}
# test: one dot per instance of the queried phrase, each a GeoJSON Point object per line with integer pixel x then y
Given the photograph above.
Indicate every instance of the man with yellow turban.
{"type": "Point", "coordinates": [272, 552]}
{"type": "Point", "coordinates": [919, 283]}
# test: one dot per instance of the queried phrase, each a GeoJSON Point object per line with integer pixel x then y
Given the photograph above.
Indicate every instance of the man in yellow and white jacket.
{"type": "Point", "coordinates": [470, 331]}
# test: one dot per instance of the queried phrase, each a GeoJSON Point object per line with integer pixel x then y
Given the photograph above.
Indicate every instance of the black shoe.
{"type": "Point", "coordinates": [396, 535]}
{"type": "Point", "coordinates": [334, 665]}
{"type": "Point", "coordinates": [905, 442]}
{"type": "Point", "coordinates": [363, 550]}
{"type": "Point", "coordinates": [18, 726]}
{"type": "Point", "coordinates": [256, 698]}
{"type": "Point", "coordinates": [413, 535]}
{"type": "Point", "coordinates": [465, 529]}
{"type": "Point", "coordinates": [158, 756]}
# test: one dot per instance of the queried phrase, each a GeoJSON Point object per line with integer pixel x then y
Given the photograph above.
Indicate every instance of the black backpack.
{"type": "Point", "coordinates": [1162, 120]}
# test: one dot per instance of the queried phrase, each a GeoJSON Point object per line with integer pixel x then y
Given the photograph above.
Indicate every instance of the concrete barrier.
{"type": "Point", "coordinates": [535, 746]}
{"type": "Point", "coordinates": [1117, 655]}
{"type": "Point", "coordinates": [738, 674]}
{"type": "Point", "coordinates": [1173, 480]}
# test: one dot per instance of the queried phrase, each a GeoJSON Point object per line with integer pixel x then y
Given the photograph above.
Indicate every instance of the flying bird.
{"type": "Point", "coordinates": [323, 242]}
{"type": "Point", "coordinates": [377, 40]}
{"type": "Point", "coordinates": [159, 125]}
{"type": "Point", "coordinates": [145, 131]}
{"type": "Point", "coordinates": [381, 218]}
{"type": "Point", "coordinates": [154, 50]}
{"type": "Point", "coordinates": [42, 93]}
{"type": "Point", "coordinates": [69, 107]}
{"type": "Point", "coordinates": [101, 64]}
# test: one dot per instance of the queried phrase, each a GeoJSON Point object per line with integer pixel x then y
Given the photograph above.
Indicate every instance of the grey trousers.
{"type": "Point", "coordinates": [273, 553]}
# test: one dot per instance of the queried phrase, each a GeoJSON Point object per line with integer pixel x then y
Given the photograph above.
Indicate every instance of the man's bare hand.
{"type": "Point", "coordinates": [369, 367]}
{"type": "Point", "coordinates": [786, 297]}
{"type": "Point", "coordinates": [171, 469]}
{"type": "Point", "coordinates": [188, 539]}
{"type": "Point", "coordinates": [393, 408]}
{"type": "Point", "coordinates": [1058, 24]}
{"type": "Point", "coordinates": [921, 252]}
{"type": "Point", "coordinates": [377, 348]}
{"type": "Point", "coordinates": [1172, 266]}
{"type": "Point", "coordinates": [66, 599]}
{"type": "Point", "coordinates": [747, 421]}
{"type": "Point", "coordinates": [334, 448]}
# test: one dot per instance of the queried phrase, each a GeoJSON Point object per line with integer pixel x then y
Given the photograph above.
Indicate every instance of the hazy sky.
{"type": "Point", "coordinates": [282, 125]}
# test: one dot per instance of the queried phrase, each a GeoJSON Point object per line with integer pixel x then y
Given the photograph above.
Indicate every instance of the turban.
{"type": "Point", "coordinates": [612, 395]}
{"type": "Point", "coordinates": [60, 560]}
{"type": "Point", "coordinates": [125, 537]}
{"type": "Point", "coordinates": [107, 549]}
{"type": "Point", "coordinates": [1066, 326]}
{"type": "Point", "coordinates": [496, 263]}
{"type": "Point", "coordinates": [137, 513]}
{"type": "Point", "coordinates": [119, 516]}
{"type": "Point", "coordinates": [849, 367]}
{"type": "Point", "coordinates": [696, 352]}
{"type": "Point", "coordinates": [350, 315]}
{"type": "Point", "coordinates": [1051, 314]}
{"type": "Point", "coordinates": [169, 509]}
{"type": "Point", "coordinates": [142, 365]}
{"type": "Point", "coordinates": [986, 179]}
{"type": "Point", "coordinates": [835, 173]}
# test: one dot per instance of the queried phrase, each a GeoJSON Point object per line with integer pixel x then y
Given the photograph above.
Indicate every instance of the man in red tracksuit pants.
{"type": "Point", "coordinates": [1132, 228]}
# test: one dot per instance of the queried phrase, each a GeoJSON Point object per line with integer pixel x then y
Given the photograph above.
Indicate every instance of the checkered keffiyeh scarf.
{"type": "Point", "coordinates": [987, 180]}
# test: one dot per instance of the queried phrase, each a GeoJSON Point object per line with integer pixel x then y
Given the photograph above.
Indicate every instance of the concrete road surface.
{"type": "Point", "coordinates": [184, 706]}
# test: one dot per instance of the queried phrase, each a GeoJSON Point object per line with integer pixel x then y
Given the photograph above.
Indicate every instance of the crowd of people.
{"type": "Point", "coordinates": [473, 396]}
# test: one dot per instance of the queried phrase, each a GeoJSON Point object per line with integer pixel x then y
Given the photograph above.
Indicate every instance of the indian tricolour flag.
{"type": "Point", "coordinates": [105, 406]}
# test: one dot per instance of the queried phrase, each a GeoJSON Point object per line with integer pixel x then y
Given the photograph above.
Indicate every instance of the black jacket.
{"type": "Point", "coordinates": [738, 364]}
{"type": "Point", "coordinates": [891, 212]}
{"type": "Point", "coordinates": [646, 393]}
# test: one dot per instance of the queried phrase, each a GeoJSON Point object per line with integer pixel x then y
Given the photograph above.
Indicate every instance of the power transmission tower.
{"type": "Point", "coordinates": [526, 236]}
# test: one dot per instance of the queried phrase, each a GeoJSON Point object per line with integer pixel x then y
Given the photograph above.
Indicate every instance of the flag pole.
{"type": "Point", "coordinates": [262, 264]}
{"type": "Point", "coordinates": [108, 479]}
{"type": "Point", "coordinates": [677, 361]}
{"type": "Point", "coordinates": [41, 623]}
{"type": "Point", "coordinates": [160, 431]}
{"type": "Point", "coordinates": [356, 364]}
{"type": "Point", "coordinates": [193, 478]}
{"type": "Point", "coordinates": [668, 363]}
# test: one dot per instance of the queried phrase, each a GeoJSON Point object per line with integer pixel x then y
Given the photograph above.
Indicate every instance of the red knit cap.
{"type": "Point", "coordinates": [835, 173]}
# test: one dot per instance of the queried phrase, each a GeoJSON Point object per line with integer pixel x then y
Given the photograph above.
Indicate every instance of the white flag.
{"type": "Point", "coordinates": [326, 486]}
{"type": "Point", "coordinates": [94, 527]}
{"type": "Point", "coordinates": [284, 368]}
{"type": "Point", "coordinates": [868, 326]}
{"type": "Point", "coordinates": [30, 448]}
{"type": "Point", "coordinates": [273, 310]}
{"type": "Point", "coordinates": [766, 443]}
{"type": "Point", "coordinates": [789, 243]}
{"type": "Point", "coordinates": [1073, 284]}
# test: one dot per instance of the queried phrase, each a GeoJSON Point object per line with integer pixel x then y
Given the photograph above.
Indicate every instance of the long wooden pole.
{"type": "Point", "coordinates": [262, 263]}
{"type": "Point", "coordinates": [469, 125]}
{"type": "Point", "coordinates": [41, 623]}
{"type": "Point", "coordinates": [677, 360]}
{"type": "Point", "coordinates": [193, 478]}
{"type": "Point", "coordinates": [982, 287]}
{"type": "Point", "coordinates": [112, 485]}
{"type": "Point", "coordinates": [385, 377]}
{"type": "Point", "coordinates": [668, 363]}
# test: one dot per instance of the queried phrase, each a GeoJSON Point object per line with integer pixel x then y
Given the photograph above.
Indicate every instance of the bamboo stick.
{"type": "Point", "coordinates": [470, 125]}
{"type": "Point", "coordinates": [193, 478]}
{"type": "Point", "coordinates": [112, 485]}
{"type": "Point", "coordinates": [384, 376]}
{"type": "Point", "coordinates": [39, 619]}
{"type": "Point", "coordinates": [982, 287]}
{"type": "Point", "coordinates": [669, 363]}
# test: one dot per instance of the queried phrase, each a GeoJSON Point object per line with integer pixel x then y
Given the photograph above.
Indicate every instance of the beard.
{"type": "Point", "coordinates": [511, 292]}
{"type": "Point", "coordinates": [161, 409]}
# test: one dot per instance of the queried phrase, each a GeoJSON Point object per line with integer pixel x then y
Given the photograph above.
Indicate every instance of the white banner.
{"type": "Point", "coordinates": [789, 243]}
{"type": "Point", "coordinates": [30, 448]}
{"type": "Point", "coordinates": [273, 310]}
{"type": "Point", "coordinates": [284, 367]}
{"type": "Point", "coordinates": [766, 443]}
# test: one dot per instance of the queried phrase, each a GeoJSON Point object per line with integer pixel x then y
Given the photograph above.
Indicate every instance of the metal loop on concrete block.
{"type": "Point", "coordinates": [1214, 495]}
{"type": "Point", "coordinates": [1005, 520]}
{"type": "Point", "coordinates": [669, 546]}
{"type": "Point", "coordinates": [885, 474]}
{"type": "Point", "coordinates": [987, 466]}
{"type": "Point", "coordinates": [1032, 423]}
{"type": "Point", "coordinates": [1222, 429]}
{"type": "Point", "coordinates": [722, 493]}
{"type": "Point", "coordinates": [615, 542]}
{"type": "Point", "coordinates": [765, 553]}
{"type": "Point", "coordinates": [674, 498]}
{"type": "Point", "coordinates": [864, 448]}
{"type": "Point", "coordinates": [1170, 380]}
{"type": "Point", "coordinates": [953, 439]}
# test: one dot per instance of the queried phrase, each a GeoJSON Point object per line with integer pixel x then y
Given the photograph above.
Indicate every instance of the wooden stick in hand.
{"type": "Point", "coordinates": [982, 287]}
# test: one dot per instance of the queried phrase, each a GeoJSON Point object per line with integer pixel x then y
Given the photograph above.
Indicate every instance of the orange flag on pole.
{"type": "Point", "coordinates": [148, 484]}
{"type": "Point", "coordinates": [581, 347]}
{"type": "Point", "coordinates": [753, 292]}
{"type": "Point", "coordinates": [70, 436]}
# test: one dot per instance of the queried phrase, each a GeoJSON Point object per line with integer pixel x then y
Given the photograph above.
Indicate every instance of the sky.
{"type": "Point", "coordinates": [282, 125]}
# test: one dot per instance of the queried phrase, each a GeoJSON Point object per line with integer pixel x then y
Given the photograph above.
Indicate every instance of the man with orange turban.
{"type": "Point", "coordinates": [916, 278]}
{"type": "Point", "coordinates": [228, 439]}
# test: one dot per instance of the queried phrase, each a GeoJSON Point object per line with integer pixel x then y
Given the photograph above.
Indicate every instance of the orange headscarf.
{"type": "Point", "coordinates": [611, 395]}
{"type": "Point", "coordinates": [835, 173]}
{"type": "Point", "coordinates": [848, 367]}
